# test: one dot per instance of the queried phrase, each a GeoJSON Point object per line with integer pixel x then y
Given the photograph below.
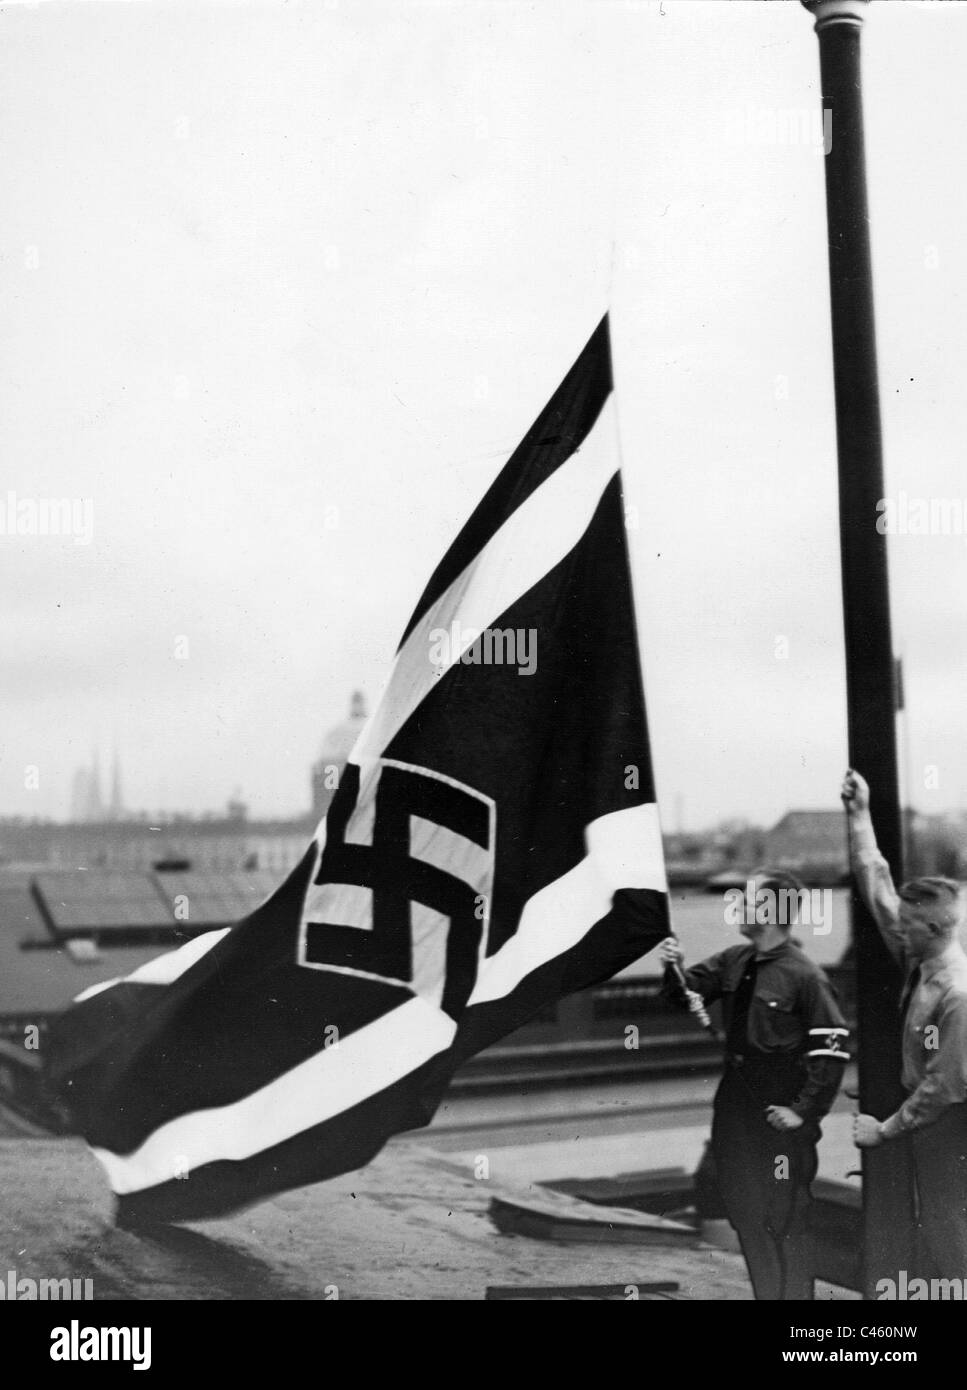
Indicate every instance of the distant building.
{"type": "Point", "coordinates": [810, 843]}
{"type": "Point", "coordinates": [86, 804]}
{"type": "Point", "coordinates": [217, 843]}
{"type": "Point", "coordinates": [334, 754]}
{"type": "Point", "coordinates": [116, 807]}
{"type": "Point", "coordinates": [936, 845]}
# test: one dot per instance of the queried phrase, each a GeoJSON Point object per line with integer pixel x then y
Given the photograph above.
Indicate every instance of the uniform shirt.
{"type": "Point", "coordinates": [935, 1021]}
{"type": "Point", "coordinates": [791, 1012]}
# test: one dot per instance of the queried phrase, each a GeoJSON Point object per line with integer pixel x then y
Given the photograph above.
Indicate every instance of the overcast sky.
{"type": "Point", "coordinates": [283, 285]}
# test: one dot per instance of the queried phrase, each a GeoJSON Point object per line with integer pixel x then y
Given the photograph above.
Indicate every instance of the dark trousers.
{"type": "Point", "coordinates": [764, 1176]}
{"type": "Point", "coordinates": [940, 1165]}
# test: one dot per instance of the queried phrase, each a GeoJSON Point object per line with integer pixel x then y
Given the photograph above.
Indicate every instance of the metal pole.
{"type": "Point", "coordinates": [888, 1227]}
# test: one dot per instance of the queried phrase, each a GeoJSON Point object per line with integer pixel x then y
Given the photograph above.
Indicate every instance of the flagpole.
{"type": "Point", "coordinates": [888, 1232]}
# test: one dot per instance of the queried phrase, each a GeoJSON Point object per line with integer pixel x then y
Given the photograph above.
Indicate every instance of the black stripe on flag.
{"type": "Point", "coordinates": [559, 430]}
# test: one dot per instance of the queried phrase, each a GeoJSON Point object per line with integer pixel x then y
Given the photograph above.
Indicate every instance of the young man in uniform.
{"type": "Point", "coordinates": [785, 1050]}
{"type": "Point", "coordinates": [920, 926]}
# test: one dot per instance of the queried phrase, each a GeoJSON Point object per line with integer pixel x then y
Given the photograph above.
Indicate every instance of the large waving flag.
{"type": "Point", "coordinates": [493, 845]}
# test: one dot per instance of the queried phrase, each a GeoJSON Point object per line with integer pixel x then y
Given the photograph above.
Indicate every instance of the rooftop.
{"type": "Point", "coordinates": [43, 913]}
{"type": "Point", "coordinates": [414, 1224]}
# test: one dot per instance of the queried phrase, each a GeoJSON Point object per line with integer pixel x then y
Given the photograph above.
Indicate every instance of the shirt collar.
{"type": "Point", "coordinates": [774, 951]}
{"type": "Point", "coordinates": [950, 955]}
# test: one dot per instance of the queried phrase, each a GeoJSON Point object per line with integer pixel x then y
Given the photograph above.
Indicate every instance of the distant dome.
{"type": "Point", "coordinates": [341, 738]}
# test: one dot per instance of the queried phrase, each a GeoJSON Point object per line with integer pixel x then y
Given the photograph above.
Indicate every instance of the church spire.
{"type": "Point", "coordinates": [95, 808]}
{"type": "Point", "coordinates": [117, 798]}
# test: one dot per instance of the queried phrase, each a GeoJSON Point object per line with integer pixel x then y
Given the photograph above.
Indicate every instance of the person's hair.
{"type": "Point", "coordinates": [787, 888]}
{"type": "Point", "coordinates": [777, 879]}
{"type": "Point", "coordinates": [941, 894]}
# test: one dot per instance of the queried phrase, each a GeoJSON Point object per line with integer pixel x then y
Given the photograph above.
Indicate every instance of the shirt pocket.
{"type": "Point", "coordinates": [774, 1024]}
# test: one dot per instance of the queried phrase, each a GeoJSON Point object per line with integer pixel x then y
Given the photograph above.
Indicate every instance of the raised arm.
{"type": "Point", "coordinates": [870, 869]}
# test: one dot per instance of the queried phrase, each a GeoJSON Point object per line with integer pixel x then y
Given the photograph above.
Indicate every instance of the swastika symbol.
{"type": "Point", "coordinates": [403, 884]}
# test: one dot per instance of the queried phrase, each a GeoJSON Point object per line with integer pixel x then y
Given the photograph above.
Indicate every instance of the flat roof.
{"type": "Point", "coordinates": [41, 912]}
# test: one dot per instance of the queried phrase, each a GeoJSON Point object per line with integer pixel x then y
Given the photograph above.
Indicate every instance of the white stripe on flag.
{"type": "Point", "coordinates": [163, 969]}
{"type": "Point", "coordinates": [624, 852]}
{"type": "Point", "coordinates": [90, 992]}
{"type": "Point", "coordinates": [333, 1080]}
{"type": "Point", "coordinates": [532, 540]}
